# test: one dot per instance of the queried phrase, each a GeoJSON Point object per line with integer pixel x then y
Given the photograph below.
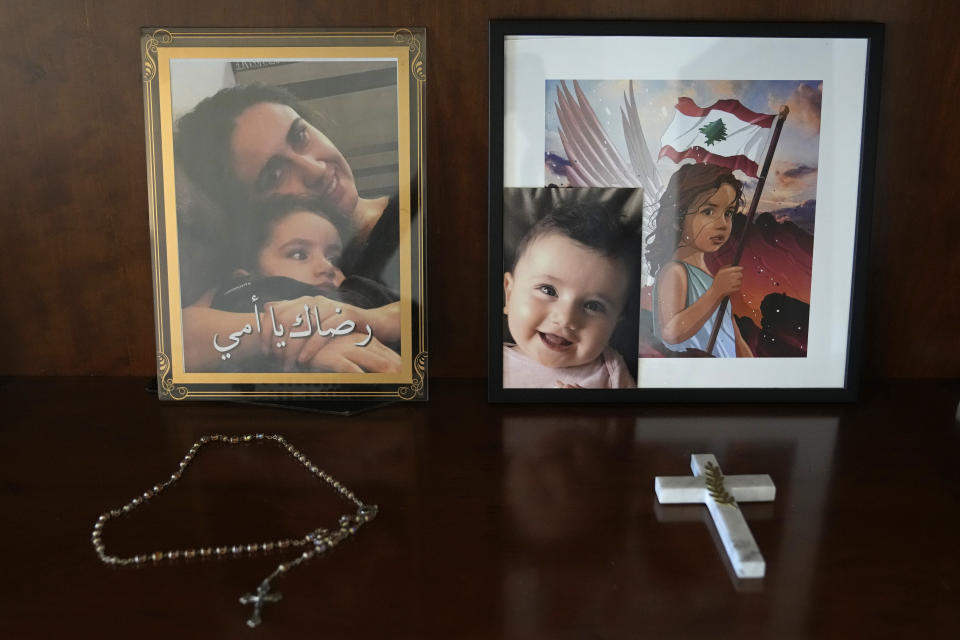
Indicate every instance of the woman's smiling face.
{"type": "Point", "coordinates": [277, 152]}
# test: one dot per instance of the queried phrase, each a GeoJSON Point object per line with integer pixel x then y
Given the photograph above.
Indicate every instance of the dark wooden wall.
{"type": "Point", "coordinates": [75, 276]}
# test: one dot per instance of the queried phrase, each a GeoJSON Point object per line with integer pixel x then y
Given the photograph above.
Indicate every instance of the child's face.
{"type": "Point", "coordinates": [304, 246]}
{"type": "Point", "coordinates": [563, 301]}
{"type": "Point", "coordinates": [707, 226]}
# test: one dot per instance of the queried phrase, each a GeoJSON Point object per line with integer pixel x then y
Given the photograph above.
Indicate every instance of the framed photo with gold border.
{"type": "Point", "coordinates": [286, 186]}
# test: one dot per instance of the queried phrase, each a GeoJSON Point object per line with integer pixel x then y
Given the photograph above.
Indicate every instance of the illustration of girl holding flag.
{"type": "Point", "coordinates": [691, 309]}
{"type": "Point", "coordinates": [695, 218]}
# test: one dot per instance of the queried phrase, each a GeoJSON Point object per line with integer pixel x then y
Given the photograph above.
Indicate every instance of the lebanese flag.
{"type": "Point", "coordinates": [726, 134]}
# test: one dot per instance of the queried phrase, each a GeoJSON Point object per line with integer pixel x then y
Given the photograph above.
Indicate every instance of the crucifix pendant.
{"type": "Point", "coordinates": [257, 599]}
{"type": "Point", "coordinates": [721, 493]}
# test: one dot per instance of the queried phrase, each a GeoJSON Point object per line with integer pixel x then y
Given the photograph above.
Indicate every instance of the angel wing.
{"type": "Point", "coordinates": [592, 159]}
{"type": "Point", "coordinates": [644, 164]}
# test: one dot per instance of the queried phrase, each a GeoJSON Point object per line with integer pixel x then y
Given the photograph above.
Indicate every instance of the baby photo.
{"type": "Point", "coordinates": [571, 260]}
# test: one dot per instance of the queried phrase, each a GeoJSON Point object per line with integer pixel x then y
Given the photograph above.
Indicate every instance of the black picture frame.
{"type": "Point", "coordinates": [868, 36]}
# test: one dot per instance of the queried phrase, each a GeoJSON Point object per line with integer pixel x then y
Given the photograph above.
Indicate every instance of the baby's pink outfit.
{"type": "Point", "coordinates": [608, 371]}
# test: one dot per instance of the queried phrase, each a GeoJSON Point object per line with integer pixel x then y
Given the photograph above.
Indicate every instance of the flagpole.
{"type": "Point", "coordinates": [751, 214]}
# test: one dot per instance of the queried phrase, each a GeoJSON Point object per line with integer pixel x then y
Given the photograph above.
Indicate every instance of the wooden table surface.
{"type": "Point", "coordinates": [495, 521]}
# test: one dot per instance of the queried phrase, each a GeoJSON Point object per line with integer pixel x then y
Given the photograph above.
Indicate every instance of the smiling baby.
{"type": "Point", "coordinates": [563, 297]}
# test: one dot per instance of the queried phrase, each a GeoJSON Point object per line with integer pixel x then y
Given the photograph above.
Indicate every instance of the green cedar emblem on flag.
{"type": "Point", "coordinates": [716, 131]}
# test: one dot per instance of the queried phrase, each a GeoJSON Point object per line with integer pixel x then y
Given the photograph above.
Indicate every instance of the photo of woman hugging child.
{"type": "Point", "coordinates": [275, 234]}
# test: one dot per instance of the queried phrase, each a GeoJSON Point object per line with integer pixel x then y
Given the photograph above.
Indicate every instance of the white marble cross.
{"type": "Point", "coordinates": [721, 493]}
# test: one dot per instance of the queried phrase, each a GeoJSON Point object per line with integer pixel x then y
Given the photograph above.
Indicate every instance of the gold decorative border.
{"type": "Point", "coordinates": [415, 390]}
{"type": "Point", "coordinates": [168, 388]}
{"type": "Point", "coordinates": [715, 486]}
{"type": "Point", "coordinates": [407, 37]}
{"type": "Point", "coordinates": [159, 37]}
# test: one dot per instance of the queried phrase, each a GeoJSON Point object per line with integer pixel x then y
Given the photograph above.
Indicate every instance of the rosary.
{"type": "Point", "coordinates": [317, 541]}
